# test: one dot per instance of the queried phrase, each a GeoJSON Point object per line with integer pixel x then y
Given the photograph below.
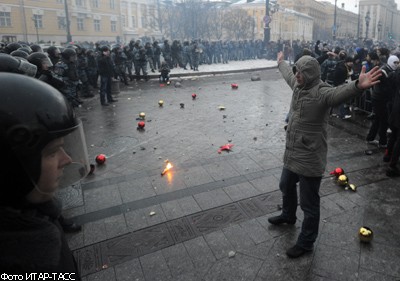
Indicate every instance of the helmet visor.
{"type": "Point", "coordinates": [75, 147]}
{"type": "Point", "coordinates": [27, 68]}
{"type": "Point", "coordinates": [64, 161]}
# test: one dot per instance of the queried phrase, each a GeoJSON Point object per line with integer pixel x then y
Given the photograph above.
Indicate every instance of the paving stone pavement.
{"type": "Point", "coordinates": [206, 219]}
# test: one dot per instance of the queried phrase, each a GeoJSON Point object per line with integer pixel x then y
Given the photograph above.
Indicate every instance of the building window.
{"type": "Point", "coordinates": [112, 4]}
{"type": "Point", "coordinates": [79, 22]}
{"type": "Point", "coordinates": [96, 25]}
{"type": "Point", "coordinates": [95, 3]}
{"type": "Point", "coordinates": [5, 19]}
{"type": "Point", "coordinates": [144, 15]}
{"type": "Point", "coordinates": [38, 20]}
{"type": "Point", "coordinates": [62, 24]}
{"type": "Point", "coordinates": [79, 3]}
{"type": "Point", "coordinates": [113, 26]}
{"type": "Point", "coordinates": [133, 22]}
{"type": "Point", "coordinates": [123, 20]}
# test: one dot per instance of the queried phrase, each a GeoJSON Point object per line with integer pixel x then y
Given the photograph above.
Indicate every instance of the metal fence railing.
{"type": "Point", "coordinates": [363, 102]}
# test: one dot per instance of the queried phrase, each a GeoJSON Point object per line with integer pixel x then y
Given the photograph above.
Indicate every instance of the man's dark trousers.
{"type": "Point", "coordinates": [105, 88]}
{"type": "Point", "coordinates": [309, 203]}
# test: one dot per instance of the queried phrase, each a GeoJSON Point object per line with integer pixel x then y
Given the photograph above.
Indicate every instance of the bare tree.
{"type": "Point", "coordinates": [169, 20]}
{"type": "Point", "coordinates": [215, 23]}
{"type": "Point", "coordinates": [190, 19]}
{"type": "Point", "coordinates": [195, 17]}
{"type": "Point", "coordinates": [238, 24]}
{"type": "Point", "coordinates": [253, 29]}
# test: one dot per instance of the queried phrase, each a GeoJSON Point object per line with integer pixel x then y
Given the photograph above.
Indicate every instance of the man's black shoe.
{"type": "Point", "coordinates": [386, 158]}
{"type": "Point", "coordinates": [105, 104]}
{"type": "Point", "coordinates": [88, 96]}
{"type": "Point", "coordinates": [113, 100]}
{"type": "Point", "coordinates": [70, 228]}
{"type": "Point", "coordinates": [392, 172]}
{"type": "Point", "coordinates": [280, 220]}
{"type": "Point", "coordinates": [68, 225]}
{"type": "Point", "coordinates": [296, 251]}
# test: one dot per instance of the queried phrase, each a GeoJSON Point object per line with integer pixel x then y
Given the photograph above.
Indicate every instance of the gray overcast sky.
{"type": "Point", "coordinates": [350, 4]}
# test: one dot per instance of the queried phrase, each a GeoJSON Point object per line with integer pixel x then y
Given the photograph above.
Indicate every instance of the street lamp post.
{"type": "Point", "coordinates": [36, 27]}
{"type": "Point", "coordinates": [334, 22]}
{"type": "Point", "coordinates": [379, 29]}
{"type": "Point", "coordinates": [267, 19]}
{"type": "Point", "coordinates": [367, 20]}
{"type": "Point", "coordinates": [69, 37]}
{"type": "Point", "coordinates": [358, 24]}
{"type": "Point", "coordinates": [159, 16]}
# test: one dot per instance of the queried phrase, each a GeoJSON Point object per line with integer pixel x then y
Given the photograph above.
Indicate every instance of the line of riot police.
{"type": "Point", "coordinates": [74, 70]}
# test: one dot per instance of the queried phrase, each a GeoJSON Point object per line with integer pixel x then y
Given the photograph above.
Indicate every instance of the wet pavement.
{"type": "Point", "coordinates": [206, 218]}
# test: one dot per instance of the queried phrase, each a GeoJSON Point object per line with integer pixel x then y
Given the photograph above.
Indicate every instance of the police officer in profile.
{"type": "Point", "coordinates": [43, 149]}
{"type": "Point", "coordinates": [9, 48]}
{"type": "Point", "coordinates": [157, 55]}
{"type": "Point", "coordinates": [67, 69]}
{"type": "Point", "coordinates": [166, 52]}
{"type": "Point", "coordinates": [19, 53]}
{"type": "Point", "coordinates": [44, 72]}
{"type": "Point", "coordinates": [36, 48]}
{"type": "Point", "coordinates": [119, 59]}
{"type": "Point", "coordinates": [18, 65]}
{"type": "Point", "coordinates": [54, 54]}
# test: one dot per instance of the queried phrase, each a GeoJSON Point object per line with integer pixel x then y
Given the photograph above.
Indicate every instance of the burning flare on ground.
{"type": "Point", "coordinates": [167, 168]}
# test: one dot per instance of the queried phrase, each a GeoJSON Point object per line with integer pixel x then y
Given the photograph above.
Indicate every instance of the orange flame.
{"type": "Point", "coordinates": [167, 168]}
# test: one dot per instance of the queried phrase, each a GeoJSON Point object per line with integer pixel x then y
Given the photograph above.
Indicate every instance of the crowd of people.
{"type": "Point", "coordinates": [325, 79]}
{"type": "Point", "coordinates": [76, 69]}
{"type": "Point", "coordinates": [40, 131]}
{"type": "Point", "coordinates": [338, 68]}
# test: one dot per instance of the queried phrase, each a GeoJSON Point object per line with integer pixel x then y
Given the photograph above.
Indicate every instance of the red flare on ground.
{"type": "Point", "coordinates": [226, 147]}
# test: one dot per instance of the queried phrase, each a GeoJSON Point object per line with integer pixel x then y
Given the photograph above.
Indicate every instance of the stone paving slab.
{"type": "Point", "coordinates": [234, 235]}
{"type": "Point", "coordinates": [337, 205]}
{"type": "Point", "coordinates": [212, 204]}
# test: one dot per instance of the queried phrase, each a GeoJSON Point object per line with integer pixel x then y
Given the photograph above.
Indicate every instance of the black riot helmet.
{"type": "Point", "coordinates": [20, 53]}
{"type": "Point", "coordinates": [53, 51]}
{"type": "Point", "coordinates": [68, 53]}
{"type": "Point", "coordinates": [36, 48]}
{"type": "Point", "coordinates": [104, 49]}
{"type": "Point", "coordinates": [40, 59]}
{"type": "Point", "coordinates": [12, 47]}
{"type": "Point", "coordinates": [34, 115]}
{"type": "Point", "coordinates": [18, 65]}
{"type": "Point", "coordinates": [26, 49]}
{"type": "Point", "coordinates": [116, 49]}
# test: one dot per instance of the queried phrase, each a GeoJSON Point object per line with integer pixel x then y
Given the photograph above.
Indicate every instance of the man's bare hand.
{"type": "Point", "coordinates": [279, 57]}
{"type": "Point", "coordinates": [369, 79]}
